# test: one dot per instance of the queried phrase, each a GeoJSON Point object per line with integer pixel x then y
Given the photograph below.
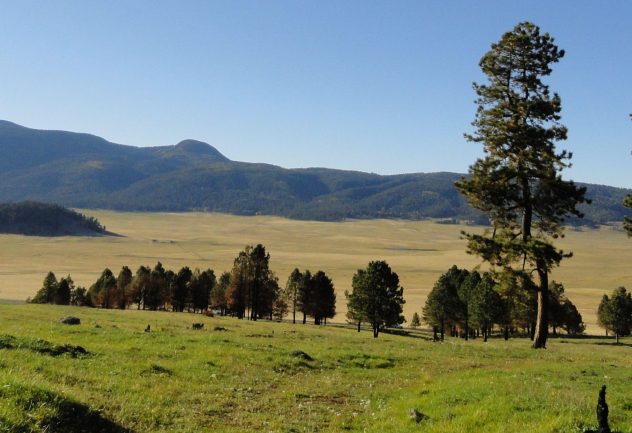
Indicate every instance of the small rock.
{"type": "Point", "coordinates": [302, 355]}
{"type": "Point", "coordinates": [415, 415]}
{"type": "Point", "coordinates": [71, 320]}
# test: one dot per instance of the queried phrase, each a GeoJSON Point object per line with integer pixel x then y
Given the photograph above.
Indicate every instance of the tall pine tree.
{"type": "Point", "coordinates": [518, 184]}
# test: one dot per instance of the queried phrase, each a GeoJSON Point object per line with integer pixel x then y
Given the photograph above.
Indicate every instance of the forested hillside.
{"type": "Point", "coordinates": [42, 219]}
{"type": "Point", "coordinates": [82, 170]}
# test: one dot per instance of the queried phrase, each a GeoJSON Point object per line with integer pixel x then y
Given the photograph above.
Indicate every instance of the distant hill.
{"type": "Point", "coordinates": [85, 171]}
{"type": "Point", "coordinates": [41, 219]}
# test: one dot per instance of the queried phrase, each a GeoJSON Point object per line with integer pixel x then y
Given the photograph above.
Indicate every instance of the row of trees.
{"type": "Point", "coordinates": [249, 290]}
{"type": "Point", "coordinates": [470, 304]}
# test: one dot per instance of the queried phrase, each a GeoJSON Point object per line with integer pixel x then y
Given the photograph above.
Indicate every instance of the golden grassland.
{"type": "Point", "coordinates": [419, 251]}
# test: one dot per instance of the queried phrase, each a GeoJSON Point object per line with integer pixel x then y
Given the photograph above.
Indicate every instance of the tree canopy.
{"type": "Point", "coordinates": [517, 184]}
{"type": "Point", "coordinates": [615, 312]}
{"type": "Point", "coordinates": [376, 296]}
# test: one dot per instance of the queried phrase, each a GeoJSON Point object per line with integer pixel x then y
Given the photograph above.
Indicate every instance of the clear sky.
{"type": "Point", "coordinates": [380, 86]}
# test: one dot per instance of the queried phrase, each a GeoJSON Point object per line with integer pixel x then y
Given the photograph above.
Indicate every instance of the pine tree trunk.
{"type": "Point", "coordinates": [617, 337]}
{"type": "Point", "coordinates": [359, 323]}
{"type": "Point", "coordinates": [467, 330]}
{"type": "Point", "coordinates": [304, 318]}
{"type": "Point", "coordinates": [542, 322]}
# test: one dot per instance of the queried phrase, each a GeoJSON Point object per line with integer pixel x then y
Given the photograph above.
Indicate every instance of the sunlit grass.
{"type": "Point", "coordinates": [252, 376]}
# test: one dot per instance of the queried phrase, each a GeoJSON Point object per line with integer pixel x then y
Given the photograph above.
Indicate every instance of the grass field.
{"type": "Point", "coordinates": [237, 376]}
{"type": "Point", "coordinates": [418, 251]}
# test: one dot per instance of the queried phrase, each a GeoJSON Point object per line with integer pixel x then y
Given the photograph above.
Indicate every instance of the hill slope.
{"type": "Point", "coordinates": [82, 170]}
{"type": "Point", "coordinates": [41, 219]}
{"type": "Point", "coordinates": [240, 376]}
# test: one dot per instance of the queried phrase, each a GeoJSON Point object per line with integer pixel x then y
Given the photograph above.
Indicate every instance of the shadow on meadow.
{"type": "Point", "coordinates": [53, 413]}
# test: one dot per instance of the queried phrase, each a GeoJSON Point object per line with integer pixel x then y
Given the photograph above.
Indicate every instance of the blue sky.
{"type": "Point", "coordinates": [380, 86]}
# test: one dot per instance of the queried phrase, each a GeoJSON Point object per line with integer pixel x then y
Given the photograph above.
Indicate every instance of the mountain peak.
{"type": "Point", "coordinates": [200, 148]}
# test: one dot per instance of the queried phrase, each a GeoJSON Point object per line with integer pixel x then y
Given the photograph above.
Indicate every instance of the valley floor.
{"type": "Point", "coordinates": [419, 251]}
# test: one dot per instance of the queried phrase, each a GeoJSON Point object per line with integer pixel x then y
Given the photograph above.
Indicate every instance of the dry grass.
{"type": "Point", "coordinates": [418, 251]}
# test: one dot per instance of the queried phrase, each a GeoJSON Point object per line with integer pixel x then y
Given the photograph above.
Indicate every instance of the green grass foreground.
{"type": "Point", "coordinates": [237, 376]}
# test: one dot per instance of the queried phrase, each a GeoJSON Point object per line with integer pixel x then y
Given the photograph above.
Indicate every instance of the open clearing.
{"type": "Point", "coordinates": [238, 376]}
{"type": "Point", "coordinates": [419, 251]}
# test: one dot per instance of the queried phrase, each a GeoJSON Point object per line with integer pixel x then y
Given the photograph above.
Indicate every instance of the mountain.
{"type": "Point", "coordinates": [85, 171]}
{"type": "Point", "coordinates": [42, 219]}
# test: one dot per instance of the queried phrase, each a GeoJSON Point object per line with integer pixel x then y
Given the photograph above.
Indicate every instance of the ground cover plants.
{"type": "Point", "coordinates": [235, 375]}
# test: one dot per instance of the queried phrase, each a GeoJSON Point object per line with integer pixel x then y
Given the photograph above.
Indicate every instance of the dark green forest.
{"type": "Point", "coordinates": [43, 219]}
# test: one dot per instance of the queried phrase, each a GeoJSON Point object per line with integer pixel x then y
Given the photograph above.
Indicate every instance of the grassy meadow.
{"type": "Point", "coordinates": [419, 251]}
{"type": "Point", "coordinates": [236, 376]}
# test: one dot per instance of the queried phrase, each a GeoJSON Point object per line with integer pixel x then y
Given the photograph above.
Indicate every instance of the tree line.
{"type": "Point", "coordinates": [249, 290]}
{"type": "Point", "coordinates": [470, 304]}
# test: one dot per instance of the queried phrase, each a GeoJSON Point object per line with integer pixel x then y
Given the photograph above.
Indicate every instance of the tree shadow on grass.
{"type": "Point", "coordinates": [39, 410]}
{"type": "Point", "coordinates": [613, 344]}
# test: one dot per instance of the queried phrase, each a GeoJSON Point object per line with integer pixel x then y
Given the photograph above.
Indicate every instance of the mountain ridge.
{"type": "Point", "coordinates": [86, 171]}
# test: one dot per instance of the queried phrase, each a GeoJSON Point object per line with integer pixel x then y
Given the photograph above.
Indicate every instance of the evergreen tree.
{"type": "Point", "coordinates": [615, 313]}
{"type": "Point", "coordinates": [254, 287]}
{"type": "Point", "coordinates": [140, 285]}
{"type": "Point", "coordinates": [47, 293]}
{"type": "Point", "coordinates": [237, 295]}
{"type": "Point", "coordinates": [158, 287]}
{"type": "Point", "coordinates": [556, 306]}
{"type": "Point", "coordinates": [305, 295]}
{"type": "Point", "coordinates": [324, 299]}
{"type": "Point", "coordinates": [486, 306]}
{"type": "Point", "coordinates": [355, 302]}
{"type": "Point", "coordinates": [376, 296]}
{"type": "Point", "coordinates": [219, 293]}
{"type": "Point", "coordinates": [443, 306]}
{"type": "Point", "coordinates": [563, 313]}
{"type": "Point", "coordinates": [62, 296]}
{"type": "Point", "coordinates": [415, 322]}
{"type": "Point", "coordinates": [280, 308]}
{"type": "Point", "coordinates": [78, 297]}
{"type": "Point", "coordinates": [261, 302]}
{"type": "Point", "coordinates": [291, 291]}
{"type": "Point", "coordinates": [518, 183]}
{"type": "Point", "coordinates": [181, 288]}
{"type": "Point", "coordinates": [202, 284]}
{"type": "Point", "coordinates": [466, 291]}
{"type": "Point", "coordinates": [573, 321]}
{"type": "Point", "coordinates": [123, 287]}
{"type": "Point", "coordinates": [101, 293]}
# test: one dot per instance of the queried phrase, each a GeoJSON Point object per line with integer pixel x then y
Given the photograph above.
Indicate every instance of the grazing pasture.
{"type": "Point", "coordinates": [109, 375]}
{"type": "Point", "coordinates": [419, 251]}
